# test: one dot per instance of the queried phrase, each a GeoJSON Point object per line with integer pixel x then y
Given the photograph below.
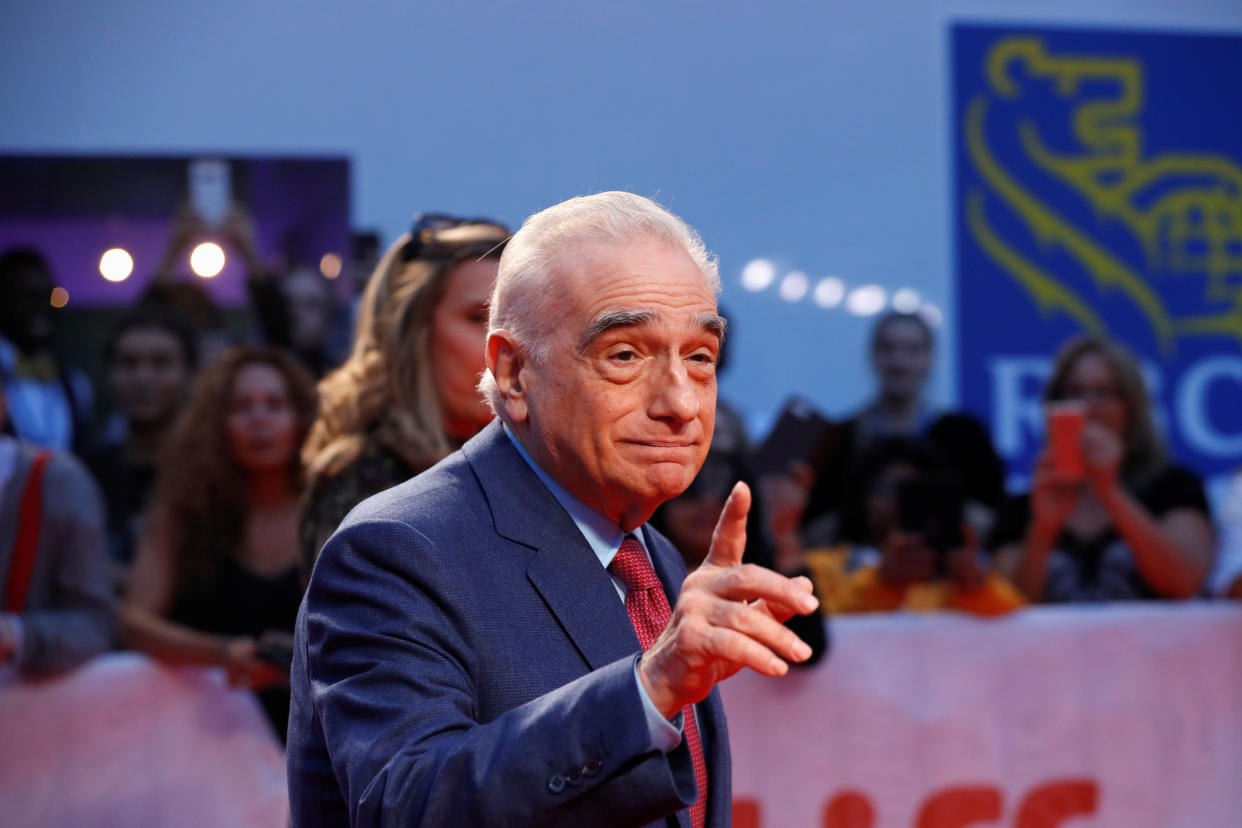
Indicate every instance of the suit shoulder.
{"type": "Point", "coordinates": [438, 496]}
{"type": "Point", "coordinates": [442, 508]}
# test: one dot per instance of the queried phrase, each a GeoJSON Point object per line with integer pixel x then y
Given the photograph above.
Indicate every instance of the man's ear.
{"type": "Point", "coordinates": [505, 359]}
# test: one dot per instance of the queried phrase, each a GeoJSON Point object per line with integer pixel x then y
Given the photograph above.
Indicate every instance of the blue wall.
{"type": "Point", "coordinates": [811, 134]}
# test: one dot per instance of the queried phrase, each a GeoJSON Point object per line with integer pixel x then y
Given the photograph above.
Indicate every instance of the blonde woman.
{"type": "Point", "coordinates": [406, 397]}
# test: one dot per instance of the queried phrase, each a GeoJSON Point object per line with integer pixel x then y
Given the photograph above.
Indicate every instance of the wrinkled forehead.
{"type": "Point", "coordinates": [649, 282]}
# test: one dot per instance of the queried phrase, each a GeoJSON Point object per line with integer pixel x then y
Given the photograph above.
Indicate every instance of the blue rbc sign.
{"type": "Point", "coordinates": [1099, 190]}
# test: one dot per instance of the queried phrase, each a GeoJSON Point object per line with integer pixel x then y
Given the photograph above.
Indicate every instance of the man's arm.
{"type": "Point", "coordinates": [389, 674]}
{"type": "Point", "coordinates": [77, 621]}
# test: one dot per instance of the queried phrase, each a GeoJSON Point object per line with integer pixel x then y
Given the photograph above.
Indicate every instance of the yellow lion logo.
{"type": "Point", "coordinates": [1184, 210]}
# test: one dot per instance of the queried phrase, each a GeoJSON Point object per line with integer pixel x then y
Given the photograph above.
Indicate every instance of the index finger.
{"type": "Point", "coordinates": [729, 536]}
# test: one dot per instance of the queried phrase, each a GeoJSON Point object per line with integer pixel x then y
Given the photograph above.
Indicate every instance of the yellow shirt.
{"type": "Point", "coordinates": [863, 590]}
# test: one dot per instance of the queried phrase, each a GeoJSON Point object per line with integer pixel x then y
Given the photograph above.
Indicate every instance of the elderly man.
{"type": "Point", "coordinates": [491, 643]}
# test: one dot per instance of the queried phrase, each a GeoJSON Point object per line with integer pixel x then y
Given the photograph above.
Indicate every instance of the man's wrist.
{"type": "Point", "coordinates": [655, 690]}
{"type": "Point", "coordinates": [665, 731]}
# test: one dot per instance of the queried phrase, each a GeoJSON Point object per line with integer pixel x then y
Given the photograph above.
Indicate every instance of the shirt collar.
{"type": "Point", "coordinates": [602, 535]}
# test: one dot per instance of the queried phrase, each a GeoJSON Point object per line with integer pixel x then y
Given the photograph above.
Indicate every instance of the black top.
{"type": "Point", "coordinates": [243, 602]}
{"type": "Point", "coordinates": [1102, 568]}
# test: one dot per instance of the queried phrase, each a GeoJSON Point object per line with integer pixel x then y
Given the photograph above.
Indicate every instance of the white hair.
{"type": "Point", "coordinates": [525, 300]}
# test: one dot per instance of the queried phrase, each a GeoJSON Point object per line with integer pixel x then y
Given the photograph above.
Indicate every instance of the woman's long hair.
{"type": "Point", "coordinates": [1144, 452]}
{"type": "Point", "coordinates": [387, 385]}
{"type": "Point", "coordinates": [201, 490]}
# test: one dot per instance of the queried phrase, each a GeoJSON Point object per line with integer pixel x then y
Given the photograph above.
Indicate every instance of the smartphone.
{"type": "Point", "coordinates": [933, 506]}
{"type": "Point", "coordinates": [1065, 423]}
{"type": "Point", "coordinates": [801, 434]}
{"type": "Point", "coordinates": [211, 189]}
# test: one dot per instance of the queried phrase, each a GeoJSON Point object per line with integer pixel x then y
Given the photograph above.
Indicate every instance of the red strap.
{"type": "Point", "coordinates": [26, 545]}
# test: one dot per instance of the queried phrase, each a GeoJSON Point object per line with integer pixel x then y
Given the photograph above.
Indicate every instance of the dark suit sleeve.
{"type": "Point", "coordinates": [388, 669]}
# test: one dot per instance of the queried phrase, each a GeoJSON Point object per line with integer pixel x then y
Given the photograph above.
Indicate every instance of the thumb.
{"type": "Point", "coordinates": [729, 537]}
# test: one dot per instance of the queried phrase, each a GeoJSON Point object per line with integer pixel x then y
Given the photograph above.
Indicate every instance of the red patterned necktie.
{"type": "Point", "coordinates": [649, 612]}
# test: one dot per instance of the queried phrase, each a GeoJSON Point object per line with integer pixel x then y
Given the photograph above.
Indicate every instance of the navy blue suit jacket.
{"type": "Point", "coordinates": [462, 659]}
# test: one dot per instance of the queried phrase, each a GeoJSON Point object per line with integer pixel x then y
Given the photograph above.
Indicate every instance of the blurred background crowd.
{"type": "Point", "coordinates": [178, 508]}
{"type": "Point", "coordinates": [983, 272]}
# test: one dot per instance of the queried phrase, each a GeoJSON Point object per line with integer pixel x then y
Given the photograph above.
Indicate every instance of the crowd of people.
{"type": "Point", "coordinates": [186, 527]}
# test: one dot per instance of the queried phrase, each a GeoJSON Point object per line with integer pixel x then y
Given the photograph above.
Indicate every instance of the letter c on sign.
{"type": "Point", "coordinates": [1192, 413]}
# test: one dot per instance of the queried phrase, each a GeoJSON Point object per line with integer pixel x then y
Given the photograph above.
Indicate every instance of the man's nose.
{"type": "Point", "coordinates": [675, 397]}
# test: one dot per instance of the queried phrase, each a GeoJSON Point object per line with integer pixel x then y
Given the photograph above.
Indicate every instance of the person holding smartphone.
{"type": "Point", "coordinates": [1108, 518]}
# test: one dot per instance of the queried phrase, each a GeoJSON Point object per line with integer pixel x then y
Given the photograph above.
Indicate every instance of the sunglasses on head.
{"type": "Point", "coordinates": [423, 243]}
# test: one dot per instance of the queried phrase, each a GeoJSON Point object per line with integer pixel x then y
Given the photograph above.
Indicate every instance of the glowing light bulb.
{"type": "Point", "coordinates": [207, 260]}
{"type": "Point", "coordinates": [794, 286]}
{"type": "Point", "coordinates": [829, 292]}
{"type": "Point", "coordinates": [116, 265]}
{"type": "Point", "coordinates": [932, 314]}
{"type": "Point", "coordinates": [758, 274]}
{"type": "Point", "coordinates": [906, 300]}
{"type": "Point", "coordinates": [867, 300]}
{"type": "Point", "coordinates": [330, 265]}
{"type": "Point", "coordinates": [60, 297]}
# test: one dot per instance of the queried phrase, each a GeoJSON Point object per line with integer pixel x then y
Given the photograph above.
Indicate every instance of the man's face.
{"type": "Point", "coordinates": [901, 358]}
{"type": "Point", "coordinates": [148, 375]}
{"type": "Point", "coordinates": [622, 412]}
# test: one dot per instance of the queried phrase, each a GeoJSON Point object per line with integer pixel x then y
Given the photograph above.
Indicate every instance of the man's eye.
{"type": "Point", "coordinates": [625, 356]}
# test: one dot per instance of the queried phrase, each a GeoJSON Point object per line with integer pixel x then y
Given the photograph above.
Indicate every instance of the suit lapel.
{"type": "Point", "coordinates": [587, 607]}
{"type": "Point", "coordinates": [564, 570]}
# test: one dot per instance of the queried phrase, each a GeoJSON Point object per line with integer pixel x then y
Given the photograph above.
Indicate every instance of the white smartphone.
{"type": "Point", "coordinates": [211, 189]}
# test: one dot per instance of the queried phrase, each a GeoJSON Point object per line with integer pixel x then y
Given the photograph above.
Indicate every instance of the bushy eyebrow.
{"type": "Point", "coordinates": [608, 320]}
{"type": "Point", "coordinates": [714, 323]}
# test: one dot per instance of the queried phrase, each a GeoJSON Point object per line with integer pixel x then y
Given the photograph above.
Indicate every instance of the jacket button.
{"type": "Point", "coordinates": [556, 783]}
{"type": "Point", "coordinates": [573, 777]}
{"type": "Point", "coordinates": [592, 767]}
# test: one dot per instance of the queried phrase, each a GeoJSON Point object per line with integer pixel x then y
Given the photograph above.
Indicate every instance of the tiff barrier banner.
{"type": "Point", "coordinates": [1119, 716]}
{"type": "Point", "coordinates": [1098, 189]}
{"type": "Point", "coordinates": [124, 741]}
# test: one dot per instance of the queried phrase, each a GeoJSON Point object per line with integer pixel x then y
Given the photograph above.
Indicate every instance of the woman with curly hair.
{"type": "Point", "coordinates": [406, 397]}
{"type": "Point", "coordinates": [1128, 525]}
{"type": "Point", "coordinates": [217, 568]}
